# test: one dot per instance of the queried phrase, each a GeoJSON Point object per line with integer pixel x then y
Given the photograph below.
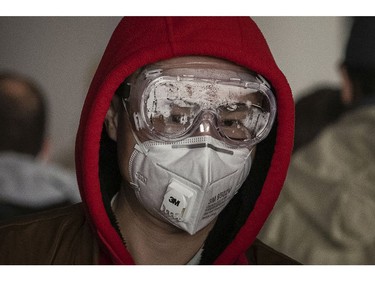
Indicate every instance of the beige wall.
{"type": "Point", "coordinates": [307, 49]}
{"type": "Point", "coordinates": [62, 54]}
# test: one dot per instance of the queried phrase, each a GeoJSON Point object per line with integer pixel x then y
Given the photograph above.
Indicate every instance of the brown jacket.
{"type": "Point", "coordinates": [63, 237]}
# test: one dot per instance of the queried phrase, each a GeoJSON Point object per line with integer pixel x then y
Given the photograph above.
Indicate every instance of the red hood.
{"type": "Point", "coordinates": [138, 41]}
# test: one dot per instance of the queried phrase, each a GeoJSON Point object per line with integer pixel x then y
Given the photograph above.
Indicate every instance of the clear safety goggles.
{"type": "Point", "coordinates": [175, 101]}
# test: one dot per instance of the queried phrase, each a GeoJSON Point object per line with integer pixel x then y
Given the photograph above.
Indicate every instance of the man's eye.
{"type": "Point", "coordinates": [176, 118]}
{"type": "Point", "coordinates": [179, 119]}
{"type": "Point", "coordinates": [231, 107]}
{"type": "Point", "coordinates": [230, 123]}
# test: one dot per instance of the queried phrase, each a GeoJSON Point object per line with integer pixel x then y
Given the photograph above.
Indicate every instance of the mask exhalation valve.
{"type": "Point", "coordinates": [177, 200]}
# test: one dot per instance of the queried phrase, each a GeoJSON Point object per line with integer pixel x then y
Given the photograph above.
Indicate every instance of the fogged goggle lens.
{"type": "Point", "coordinates": [173, 107]}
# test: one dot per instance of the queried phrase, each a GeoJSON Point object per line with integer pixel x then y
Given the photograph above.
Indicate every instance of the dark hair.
{"type": "Point", "coordinates": [359, 58]}
{"type": "Point", "coordinates": [22, 114]}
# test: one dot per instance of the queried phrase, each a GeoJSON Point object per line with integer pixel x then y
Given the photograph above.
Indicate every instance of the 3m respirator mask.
{"type": "Point", "coordinates": [196, 121]}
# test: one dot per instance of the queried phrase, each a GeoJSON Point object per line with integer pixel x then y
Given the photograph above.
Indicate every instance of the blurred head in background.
{"type": "Point", "coordinates": [23, 112]}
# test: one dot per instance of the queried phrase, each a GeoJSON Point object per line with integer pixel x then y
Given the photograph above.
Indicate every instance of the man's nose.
{"type": "Point", "coordinates": [207, 124]}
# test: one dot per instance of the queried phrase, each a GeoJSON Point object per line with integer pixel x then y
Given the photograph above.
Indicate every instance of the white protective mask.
{"type": "Point", "coordinates": [188, 183]}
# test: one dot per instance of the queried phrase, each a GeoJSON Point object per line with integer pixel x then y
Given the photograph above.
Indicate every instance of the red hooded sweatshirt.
{"type": "Point", "coordinates": [87, 235]}
{"type": "Point", "coordinates": [138, 41]}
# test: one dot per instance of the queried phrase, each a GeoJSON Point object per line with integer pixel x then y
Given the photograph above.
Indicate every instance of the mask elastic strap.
{"type": "Point", "coordinates": [250, 151]}
{"type": "Point", "coordinates": [139, 146]}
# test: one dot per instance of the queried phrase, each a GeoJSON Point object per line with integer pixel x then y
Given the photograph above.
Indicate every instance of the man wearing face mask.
{"type": "Point", "coordinates": [182, 150]}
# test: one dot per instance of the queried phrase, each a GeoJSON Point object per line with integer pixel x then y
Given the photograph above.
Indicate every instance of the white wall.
{"type": "Point", "coordinates": [62, 53]}
{"type": "Point", "coordinates": [307, 49]}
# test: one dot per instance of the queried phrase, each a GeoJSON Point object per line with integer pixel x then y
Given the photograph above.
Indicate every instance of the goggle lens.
{"type": "Point", "coordinates": [173, 109]}
{"type": "Point", "coordinates": [168, 101]}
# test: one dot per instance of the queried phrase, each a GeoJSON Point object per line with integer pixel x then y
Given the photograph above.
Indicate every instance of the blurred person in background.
{"type": "Point", "coordinates": [324, 99]}
{"type": "Point", "coordinates": [325, 213]}
{"type": "Point", "coordinates": [28, 183]}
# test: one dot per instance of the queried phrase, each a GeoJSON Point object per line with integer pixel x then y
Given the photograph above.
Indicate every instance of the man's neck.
{"type": "Point", "coordinates": [150, 240]}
